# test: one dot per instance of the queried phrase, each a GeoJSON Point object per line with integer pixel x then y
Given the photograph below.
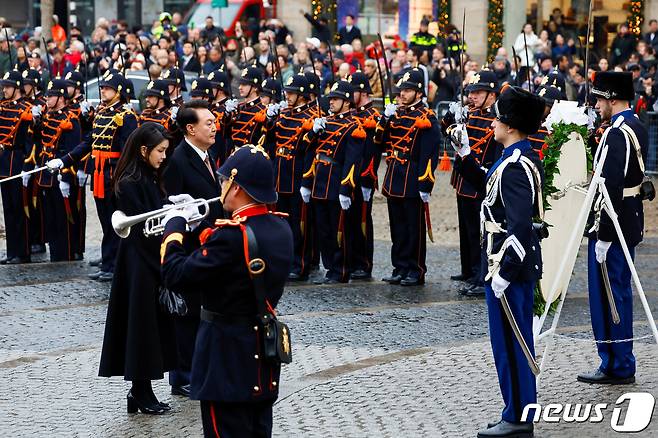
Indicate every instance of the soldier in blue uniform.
{"type": "Point", "coordinates": [482, 92]}
{"type": "Point", "coordinates": [235, 382]}
{"type": "Point", "coordinates": [247, 122]}
{"type": "Point", "coordinates": [626, 142]}
{"type": "Point", "coordinates": [286, 146]}
{"type": "Point", "coordinates": [408, 132]}
{"type": "Point", "coordinates": [331, 170]}
{"type": "Point", "coordinates": [112, 125]}
{"type": "Point", "coordinates": [58, 133]}
{"type": "Point", "coordinates": [511, 252]}
{"type": "Point", "coordinates": [360, 214]}
{"type": "Point", "coordinates": [15, 142]}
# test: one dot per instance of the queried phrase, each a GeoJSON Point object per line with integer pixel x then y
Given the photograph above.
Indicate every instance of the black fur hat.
{"type": "Point", "coordinates": [520, 109]}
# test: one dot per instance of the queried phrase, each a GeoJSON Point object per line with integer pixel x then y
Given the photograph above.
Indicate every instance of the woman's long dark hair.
{"type": "Point", "coordinates": [131, 162]}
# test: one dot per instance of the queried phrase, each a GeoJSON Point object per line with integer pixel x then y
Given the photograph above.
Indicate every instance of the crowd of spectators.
{"type": "Point", "coordinates": [168, 42]}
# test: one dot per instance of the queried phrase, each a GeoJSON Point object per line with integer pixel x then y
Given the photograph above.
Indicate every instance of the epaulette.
{"type": "Point", "coordinates": [66, 124]}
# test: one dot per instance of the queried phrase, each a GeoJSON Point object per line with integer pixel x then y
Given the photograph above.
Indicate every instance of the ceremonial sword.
{"type": "Point", "coordinates": [532, 363]}
{"type": "Point", "coordinates": [608, 291]}
{"type": "Point", "coordinates": [22, 174]}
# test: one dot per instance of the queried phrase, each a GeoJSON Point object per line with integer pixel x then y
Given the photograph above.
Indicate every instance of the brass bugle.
{"type": "Point", "coordinates": [153, 226]}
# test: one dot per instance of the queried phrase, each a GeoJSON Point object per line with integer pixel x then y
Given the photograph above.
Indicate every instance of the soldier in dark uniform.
{"type": "Point", "coordinates": [270, 93]}
{"type": "Point", "coordinates": [550, 94]}
{"type": "Point", "coordinates": [157, 105]}
{"type": "Point", "coordinates": [408, 132]}
{"type": "Point", "coordinates": [248, 121]}
{"type": "Point", "coordinates": [222, 90]}
{"type": "Point", "coordinates": [236, 384]}
{"type": "Point", "coordinates": [360, 214]}
{"type": "Point", "coordinates": [15, 142]}
{"type": "Point", "coordinates": [84, 113]}
{"type": "Point", "coordinates": [58, 133]}
{"type": "Point", "coordinates": [511, 251]}
{"type": "Point", "coordinates": [626, 142]}
{"type": "Point", "coordinates": [482, 92]}
{"type": "Point", "coordinates": [286, 146]}
{"type": "Point", "coordinates": [112, 125]}
{"type": "Point", "coordinates": [34, 95]}
{"type": "Point", "coordinates": [191, 172]}
{"type": "Point", "coordinates": [315, 93]}
{"type": "Point", "coordinates": [331, 171]}
{"type": "Point", "coordinates": [175, 80]}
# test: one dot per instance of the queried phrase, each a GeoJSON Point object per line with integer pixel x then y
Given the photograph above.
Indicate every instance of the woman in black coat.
{"type": "Point", "coordinates": [139, 340]}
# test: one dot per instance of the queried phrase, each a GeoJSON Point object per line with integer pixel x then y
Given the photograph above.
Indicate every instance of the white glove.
{"type": "Point", "coordinates": [272, 110]}
{"type": "Point", "coordinates": [459, 140]}
{"type": "Point", "coordinates": [65, 188]}
{"type": "Point", "coordinates": [55, 164]}
{"type": "Point", "coordinates": [26, 178]}
{"type": "Point", "coordinates": [459, 110]}
{"type": "Point", "coordinates": [425, 197]}
{"type": "Point", "coordinates": [283, 104]}
{"type": "Point", "coordinates": [306, 194]}
{"type": "Point", "coordinates": [174, 113]}
{"type": "Point", "coordinates": [36, 111]}
{"type": "Point", "coordinates": [179, 199]}
{"type": "Point", "coordinates": [82, 177]}
{"type": "Point", "coordinates": [389, 110]}
{"type": "Point", "coordinates": [231, 105]}
{"type": "Point", "coordinates": [499, 284]}
{"type": "Point", "coordinates": [345, 201]}
{"type": "Point", "coordinates": [84, 107]}
{"type": "Point", "coordinates": [601, 249]}
{"type": "Point", "coordinates": [319, 124]}
{"type": "Point", "coordinates": [367, 193]}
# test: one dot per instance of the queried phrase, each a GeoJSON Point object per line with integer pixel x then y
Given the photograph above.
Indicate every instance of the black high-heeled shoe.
{"type": "Point", "coordinates": [151, 409]}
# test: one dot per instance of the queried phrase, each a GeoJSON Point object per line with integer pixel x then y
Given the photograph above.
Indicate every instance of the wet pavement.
{"type": "Point", "coordinates": [370, 359]}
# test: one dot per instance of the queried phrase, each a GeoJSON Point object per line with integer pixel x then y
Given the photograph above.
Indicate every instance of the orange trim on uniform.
{"type": "Point", "coordinates": [214, 419]}
{"type": "Point", "coordinates": [99, 173]}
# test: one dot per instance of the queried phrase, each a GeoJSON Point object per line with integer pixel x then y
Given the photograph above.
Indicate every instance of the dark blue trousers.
{"type": "Point", "coordinates": [617, 360]}
{"type": "Point", "coordinates": [110, 243]}
{"type": "Point", "coordinates": [362, 244]}
{"type": "Point", "coordinates": [407, 225]}
{"type": "Point", "coordinates": [292, 204]}
{"type": "Point", "coordinates": [517, 383]}
{"type": "Point", "coordinates": [16, 223]}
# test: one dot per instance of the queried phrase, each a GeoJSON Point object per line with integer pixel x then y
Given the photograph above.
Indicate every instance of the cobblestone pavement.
{"type": "Point", "coordinates": [370, 360]}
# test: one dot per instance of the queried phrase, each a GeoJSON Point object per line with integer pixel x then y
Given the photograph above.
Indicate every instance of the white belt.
{"type": "Point", "coordinates": [493, 227]}
{"type": "Point", "coordinates": [632, 191]}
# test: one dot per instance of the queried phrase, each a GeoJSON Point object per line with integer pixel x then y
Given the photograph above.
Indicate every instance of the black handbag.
{"type": "Point", "coordinates": [277, 347]}
{"type": "Point", "coordinates": [172, 302]}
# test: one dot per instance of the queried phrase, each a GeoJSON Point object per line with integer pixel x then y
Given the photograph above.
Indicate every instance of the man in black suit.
{"type": "Point", "coordinates": [651, 37]}
{"type": "Point", "coordinates": [189, 59]}
{"type": "Point", "coordinates": [349, 32]}
{"type": "Point", "coordinates": [191, 171]}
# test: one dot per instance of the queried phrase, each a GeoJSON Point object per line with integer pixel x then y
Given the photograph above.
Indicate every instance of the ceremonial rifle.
{"type": "Point", "coordinates": [379, 72]}
{"type": "Point", "coordinates": [11, 60]}
{"type": "Point", "coordinates": [589, 27]}
{"type": "Point", "coordinates": [527, 62]}
{"type": "Point", "coordinates": [389, 79]}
